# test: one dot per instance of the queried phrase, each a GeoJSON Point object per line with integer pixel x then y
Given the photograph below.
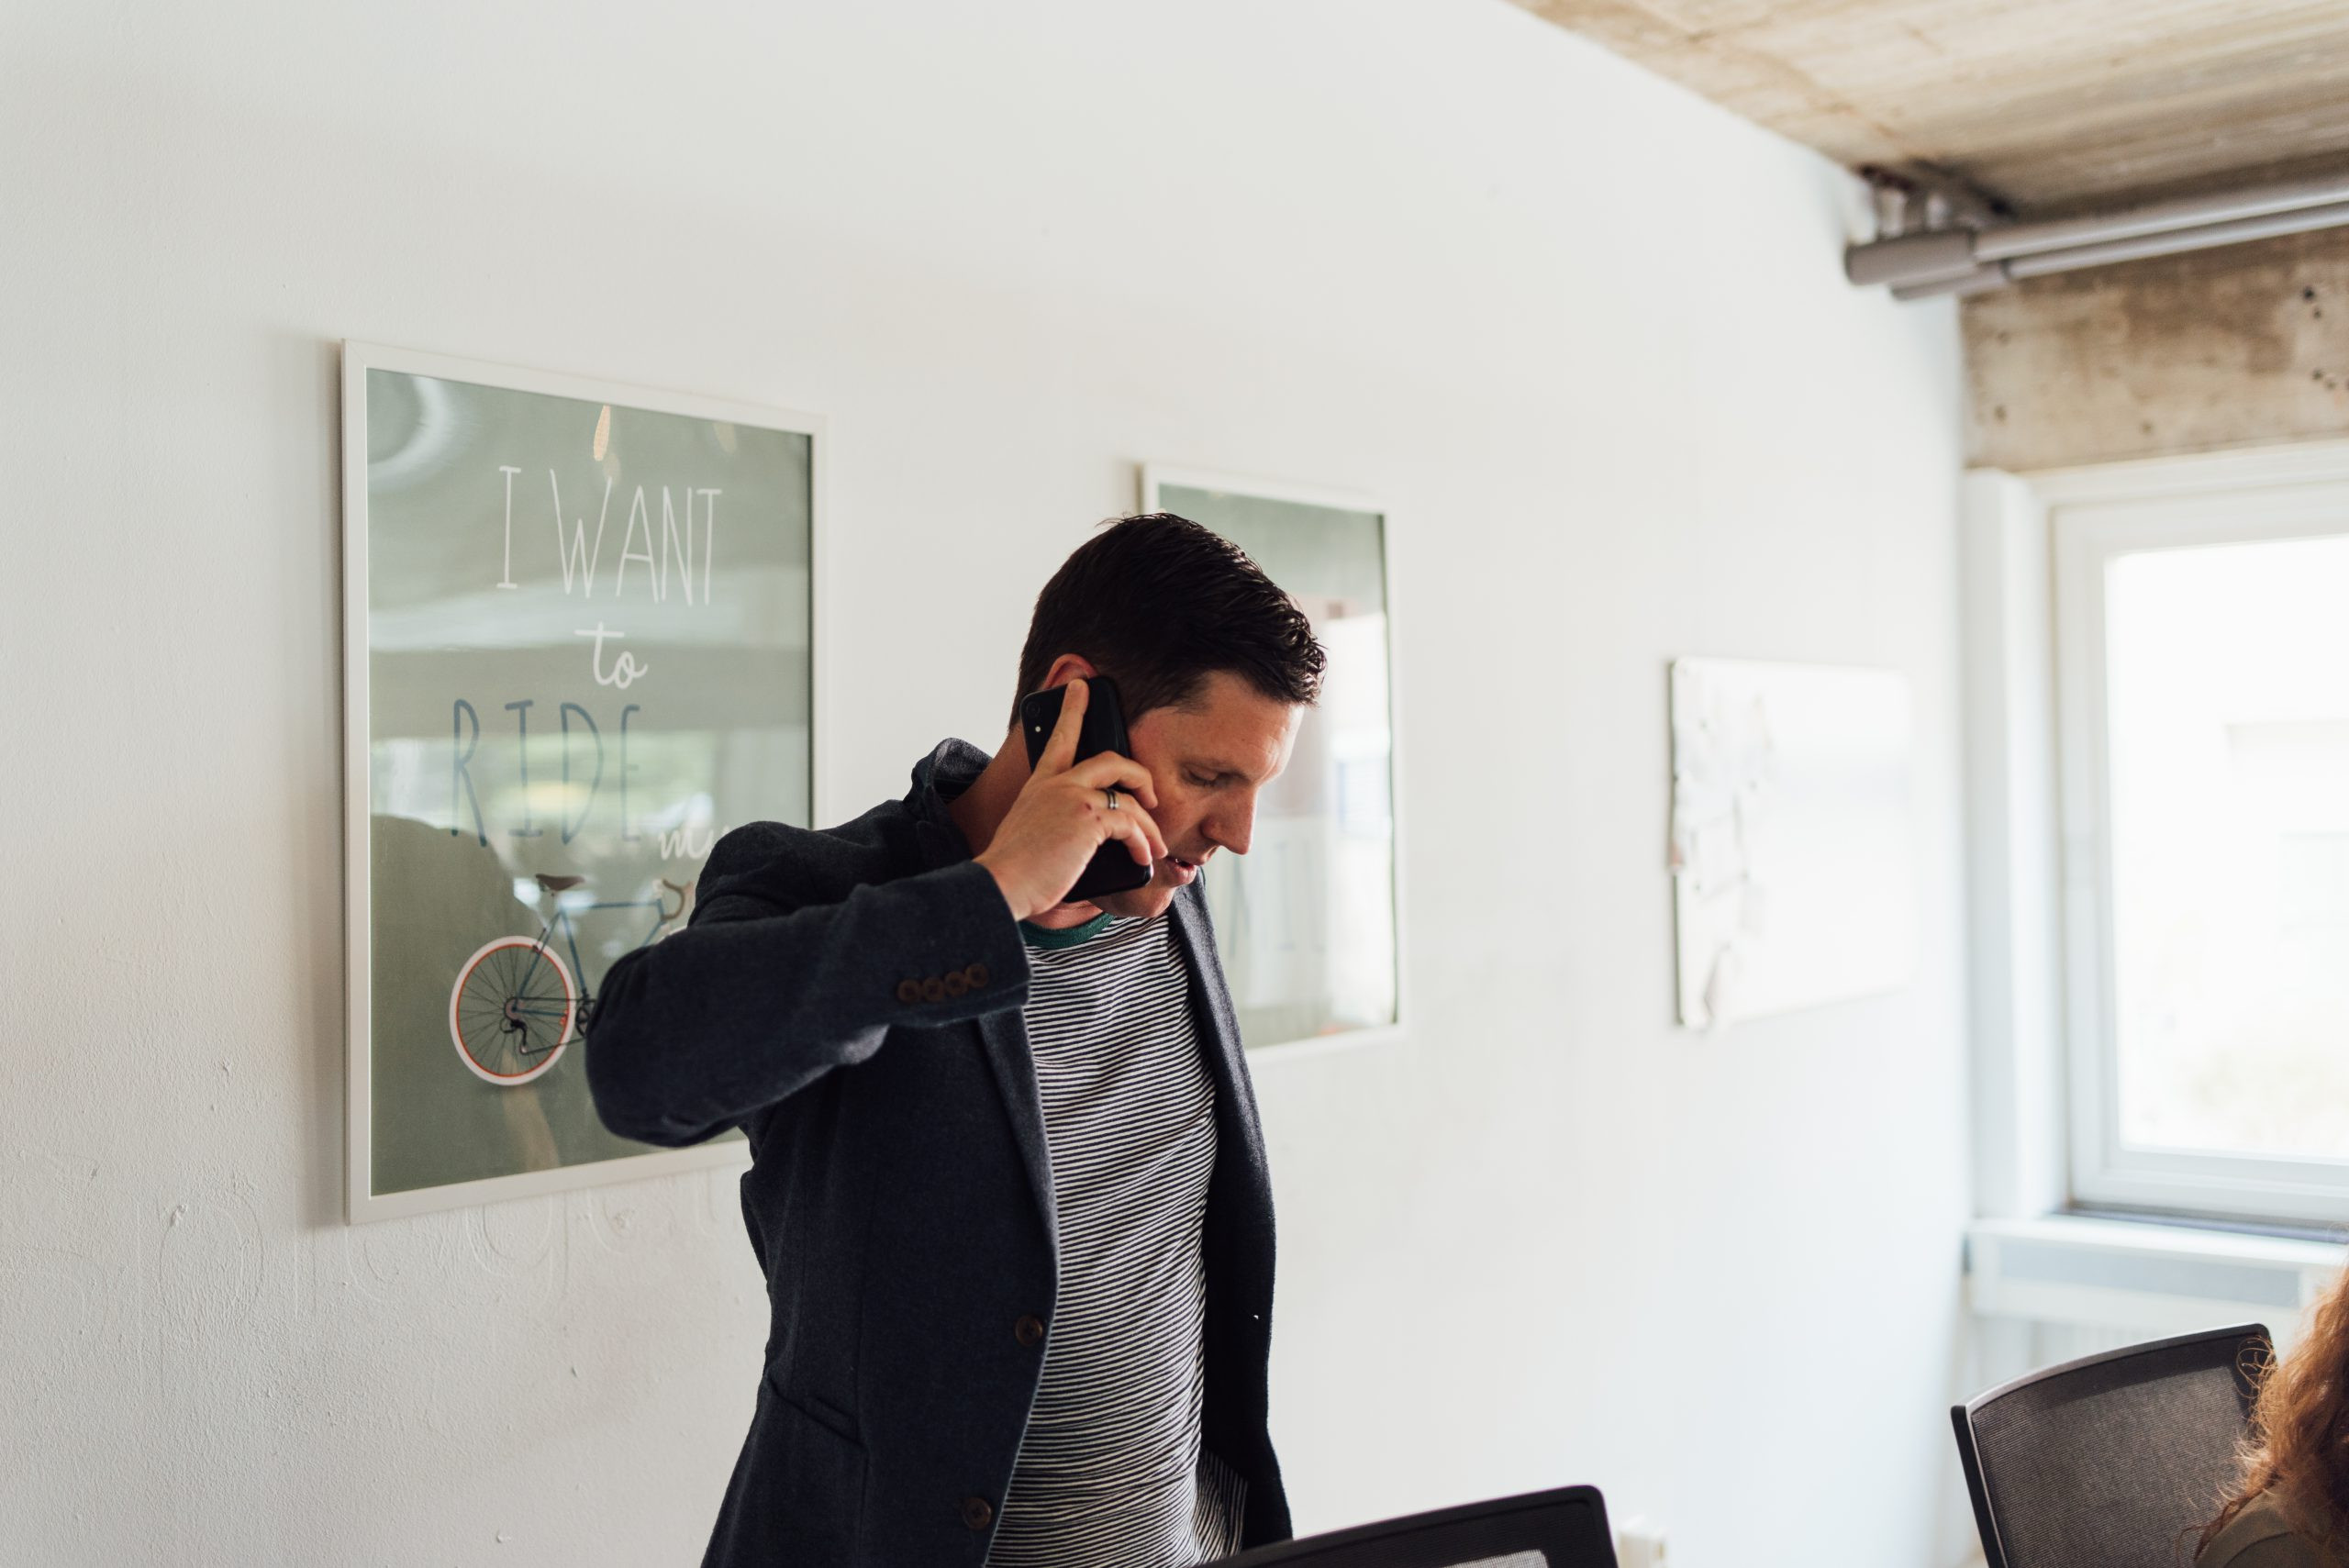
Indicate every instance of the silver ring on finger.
{"type": "Point", "coordinates": [1112, 794]}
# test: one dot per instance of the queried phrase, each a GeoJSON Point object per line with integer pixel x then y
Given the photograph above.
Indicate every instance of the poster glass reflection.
{"type": "Point", "coordinates": [578, 647]}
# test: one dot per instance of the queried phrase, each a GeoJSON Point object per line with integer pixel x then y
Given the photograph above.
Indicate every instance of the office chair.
{"type": "Point", "coordinates": [1563, 1528]}
{"type": "Point", "coordinates": [2113, 1461]}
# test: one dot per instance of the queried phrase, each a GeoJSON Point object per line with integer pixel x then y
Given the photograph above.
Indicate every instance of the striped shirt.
{"type": "Point", "coordinates": [1112, 1473]}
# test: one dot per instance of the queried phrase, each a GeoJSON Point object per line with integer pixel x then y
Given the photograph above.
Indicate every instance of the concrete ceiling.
{"type": "Point", "coordinates": [2041, 107]}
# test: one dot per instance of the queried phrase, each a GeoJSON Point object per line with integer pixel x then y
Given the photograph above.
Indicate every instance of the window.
{"type": "Point", "coordinates": [2202, 647]}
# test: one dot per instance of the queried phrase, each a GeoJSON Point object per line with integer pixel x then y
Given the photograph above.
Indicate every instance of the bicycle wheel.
{"type": "Point", "coordinates": [511, 1011]}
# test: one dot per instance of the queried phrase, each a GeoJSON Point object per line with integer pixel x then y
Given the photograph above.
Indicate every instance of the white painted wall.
{"type": "Point", "coordinates": [1585, 333]}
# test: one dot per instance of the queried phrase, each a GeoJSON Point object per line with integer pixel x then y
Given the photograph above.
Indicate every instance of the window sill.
{"type": "Point", "coordinates": [2143, 1274]}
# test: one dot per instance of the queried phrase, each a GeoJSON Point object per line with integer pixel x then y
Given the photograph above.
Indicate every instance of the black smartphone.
{"type": "Point", "coordinates": [1103, 728]}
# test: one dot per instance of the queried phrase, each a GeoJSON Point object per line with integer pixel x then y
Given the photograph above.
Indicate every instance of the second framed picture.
{"type": "Point", "coordinates": [1307, 920]}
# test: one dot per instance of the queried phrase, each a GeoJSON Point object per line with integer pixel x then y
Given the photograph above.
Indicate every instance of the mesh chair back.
{"type": "Point", "coordinates": [1563, 1528]}
{"type": "Point", "coordinates": [2114, 1461]}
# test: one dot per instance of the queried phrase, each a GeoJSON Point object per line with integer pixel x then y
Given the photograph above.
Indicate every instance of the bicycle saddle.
{"type": "Point", "coordinates": [559, 884]}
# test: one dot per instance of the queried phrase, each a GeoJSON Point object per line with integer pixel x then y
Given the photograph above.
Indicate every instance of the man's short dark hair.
{"type": "Point", "coordinates": [1158, 603]}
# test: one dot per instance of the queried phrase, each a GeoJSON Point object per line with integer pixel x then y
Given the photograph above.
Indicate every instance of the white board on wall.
{"type": "Point", "coordinates": [1793, 837]}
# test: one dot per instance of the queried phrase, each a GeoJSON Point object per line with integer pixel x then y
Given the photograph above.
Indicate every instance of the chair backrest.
{"type": "Point", "coordinates": [1562, 1528]}
{"type": "Point", "coordinates": [2114, 1461]}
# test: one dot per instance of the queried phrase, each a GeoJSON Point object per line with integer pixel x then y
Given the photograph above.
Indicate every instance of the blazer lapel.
{"type": "Point", "coordinates": [1003, 1036]}
{"type": "Point", "coordinates": [1196, 937]}
{"type": "Point", "coordinates": [1006, 1039]}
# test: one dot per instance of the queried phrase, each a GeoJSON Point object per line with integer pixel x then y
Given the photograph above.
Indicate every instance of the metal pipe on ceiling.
{"type": "Point", "coordinates": [2131, 248]}
{"type": "Point", "coordinates": [2011, 239]}
{"type": "Point", "coordinates": [1964, 260]}
{"type": "Point", "coordinates": [1997, 274]}
{"type": "Point", "coordinates": [1980, 280]}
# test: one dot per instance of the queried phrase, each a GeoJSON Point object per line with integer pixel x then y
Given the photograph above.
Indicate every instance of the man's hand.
{"type": "Point", "coordinates": [1063, 815]}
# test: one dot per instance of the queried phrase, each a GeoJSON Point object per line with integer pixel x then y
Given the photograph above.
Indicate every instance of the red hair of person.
{"type": "Point", "coordinates": [2299, 1443]}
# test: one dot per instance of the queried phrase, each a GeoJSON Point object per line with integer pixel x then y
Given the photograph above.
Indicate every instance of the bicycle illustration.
{"type": "Point", "coordinates": [514, 1005]}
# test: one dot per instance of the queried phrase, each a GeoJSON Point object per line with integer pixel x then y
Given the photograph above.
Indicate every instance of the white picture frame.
{"type": "Point", "coordinates": [1267, 1021]}
{"type": "Point", "coordinates": [364, 1202]}
{"type": "Point", "coordinates": [1793, 842]}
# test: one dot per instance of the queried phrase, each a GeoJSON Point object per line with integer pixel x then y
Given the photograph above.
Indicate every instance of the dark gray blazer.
{"type": "Point", "coordinates": [853, 999]}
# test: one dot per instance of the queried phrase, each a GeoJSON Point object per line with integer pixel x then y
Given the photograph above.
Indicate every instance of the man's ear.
{"type": "Point", "coordinates": [1066, 668]}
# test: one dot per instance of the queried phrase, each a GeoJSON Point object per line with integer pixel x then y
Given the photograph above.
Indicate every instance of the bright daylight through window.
{"type": "Point", "coordinates": [2226, 704]}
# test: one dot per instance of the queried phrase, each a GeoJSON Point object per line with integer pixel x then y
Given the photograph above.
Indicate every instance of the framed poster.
{"type": "Point", "coordinates": [1793, 841]}
{"type": "Point", "coordinates": [578, 645]}
{"type": "Point", "coordinates": [1308, 919]}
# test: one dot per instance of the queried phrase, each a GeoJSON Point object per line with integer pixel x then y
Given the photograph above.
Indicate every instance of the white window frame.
{"type": "Point", "coordinates": [2046, 1097]}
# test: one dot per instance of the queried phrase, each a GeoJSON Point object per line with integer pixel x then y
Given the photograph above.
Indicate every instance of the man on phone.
{"type": "Point", "coordinates": [1008, 1187]}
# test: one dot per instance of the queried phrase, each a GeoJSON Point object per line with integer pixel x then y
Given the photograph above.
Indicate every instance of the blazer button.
{"type": "Point", "coordinates": [976, 1513]}
{"type": "Point", "coordinates": [976, 974]}
{"type": "Point", "coordinates": [908, 991]}
{"type": "Point", "coordinates": [956, 984]}
{"type": "Point", "coordinates": [933, 989]}
{"type": "Point", "coordinates": [1029, 1330]}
